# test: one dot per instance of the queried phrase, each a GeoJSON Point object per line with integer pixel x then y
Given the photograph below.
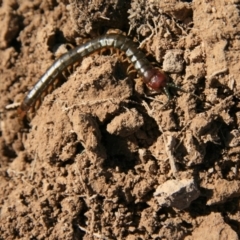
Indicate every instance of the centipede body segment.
{"type": "Point", "coordinates": [153, 77]}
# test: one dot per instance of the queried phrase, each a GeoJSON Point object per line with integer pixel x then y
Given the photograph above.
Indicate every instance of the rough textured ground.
{"type": "Point", "coordinates": [89, 164]}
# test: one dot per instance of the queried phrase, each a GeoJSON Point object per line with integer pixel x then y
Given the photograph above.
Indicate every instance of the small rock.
{"type": "Point", "coordinates": [177, 193]}
{"type": "Point", "coordinates": [173, 61]}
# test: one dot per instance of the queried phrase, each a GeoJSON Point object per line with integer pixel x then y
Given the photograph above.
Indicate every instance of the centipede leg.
{"type": "Point", "coordinates": [39, 102]}
{"type": "Point", "coordinates": [123, 58]}
{"type": "Point", "coordinates": [131, 69]}
{"type": "Point", "coordinates": [56, 83]}
{"type": "Point", "coordinates": [65, 74]}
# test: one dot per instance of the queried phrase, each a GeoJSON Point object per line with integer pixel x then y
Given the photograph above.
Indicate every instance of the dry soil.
{"type": "Point", "coordinates": [87, 165]}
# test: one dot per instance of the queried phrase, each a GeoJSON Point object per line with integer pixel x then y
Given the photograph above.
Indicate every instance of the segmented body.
{"type": "Point", "coordinates": [153, 77]}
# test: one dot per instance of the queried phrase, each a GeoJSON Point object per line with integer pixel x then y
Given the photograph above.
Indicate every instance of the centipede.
{"type": "Point", "coordinates": [153, 77]}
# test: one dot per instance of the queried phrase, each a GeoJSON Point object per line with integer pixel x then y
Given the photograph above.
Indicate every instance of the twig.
{"type": "Point", "coordinates": [169, 143]}
{"type": "Point", "coordinates": [149, 37]}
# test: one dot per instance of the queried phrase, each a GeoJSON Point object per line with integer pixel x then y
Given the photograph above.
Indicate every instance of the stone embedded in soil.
{"type": "Point", "coordinates": [126, 123]}
{"type": "Point", "coordinates": [173, 61]}
{"type": "Point", "coordinates": [213, 227]}
{"type": "Point", "coordinates": [177, 193]}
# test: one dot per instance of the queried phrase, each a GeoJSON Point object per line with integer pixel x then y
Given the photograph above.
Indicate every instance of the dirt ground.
{"type": "Point", "coordinates": [104, 157]}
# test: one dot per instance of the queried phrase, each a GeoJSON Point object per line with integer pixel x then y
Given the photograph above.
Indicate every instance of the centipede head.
{"type": "Point", "coordinates": [157, 80]}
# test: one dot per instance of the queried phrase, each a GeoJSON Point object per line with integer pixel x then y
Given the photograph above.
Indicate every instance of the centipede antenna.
{"type": "Point", "coordinates": [165, 89]}
{"type": "Point", "coordinates": [172, 85]}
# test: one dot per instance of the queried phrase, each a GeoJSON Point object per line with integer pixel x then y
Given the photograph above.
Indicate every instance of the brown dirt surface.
{"type": "Point", "coordinates": [87, 165]}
